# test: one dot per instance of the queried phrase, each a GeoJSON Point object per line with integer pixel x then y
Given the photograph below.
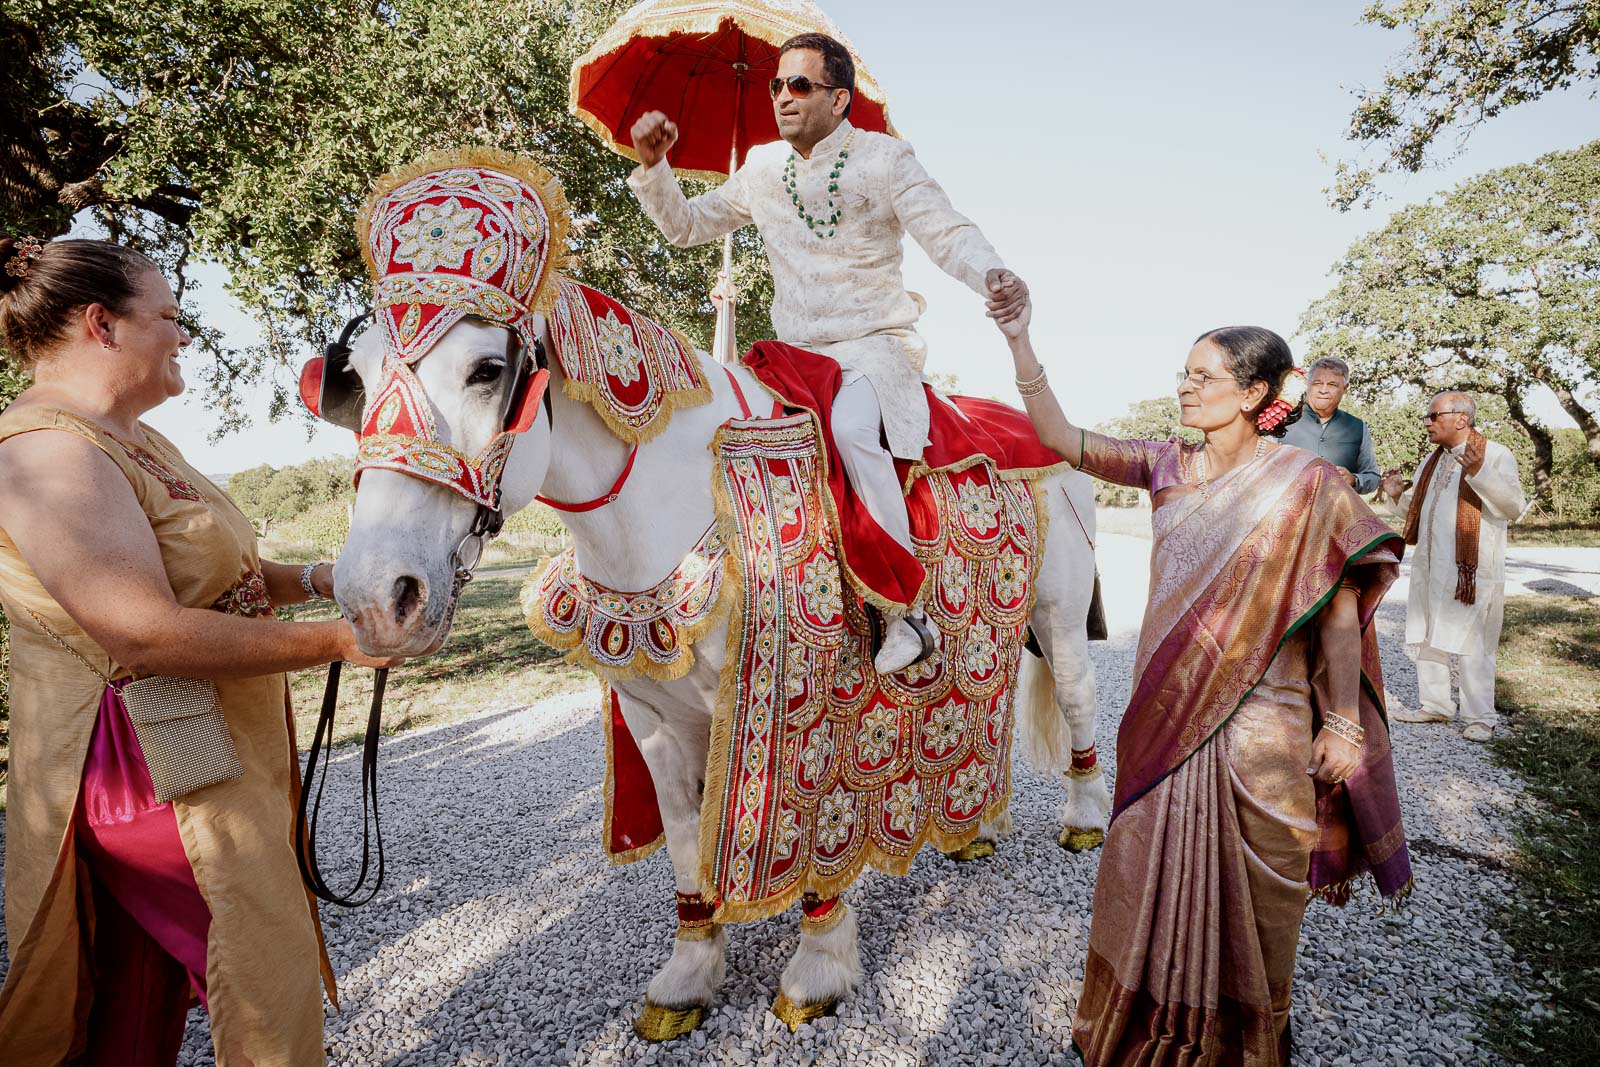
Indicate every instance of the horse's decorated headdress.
{"type": "Point", "coordinates": [481, 233]}
{"type": "Point", "coordinates": [472, 231]}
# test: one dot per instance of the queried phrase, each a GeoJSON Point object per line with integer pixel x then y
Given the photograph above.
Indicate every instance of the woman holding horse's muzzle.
{"type": "Point", "coordinates": [153, 781]}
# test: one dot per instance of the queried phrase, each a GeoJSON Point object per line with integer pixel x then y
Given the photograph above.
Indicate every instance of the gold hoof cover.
{"type": "Point", "coordinates": [1074, 840]}
{"type": "Point", "coordinates": [794, 1016]}
{"type": "Point", "coordinates": [973, 850]}
{"type": "Point", "coordinates": [656, 1023]}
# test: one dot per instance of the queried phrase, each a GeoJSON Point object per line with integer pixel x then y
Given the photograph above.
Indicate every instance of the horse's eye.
{"type": "Point", "coordinates": [486, 372]}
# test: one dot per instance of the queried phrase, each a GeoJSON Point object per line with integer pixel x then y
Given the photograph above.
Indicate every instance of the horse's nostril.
{"type": "Point", "coordinates": [407, 597]}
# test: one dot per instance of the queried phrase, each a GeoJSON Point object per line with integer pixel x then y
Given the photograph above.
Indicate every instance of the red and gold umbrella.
{"type": "Point", "coordinates": [706, 67]}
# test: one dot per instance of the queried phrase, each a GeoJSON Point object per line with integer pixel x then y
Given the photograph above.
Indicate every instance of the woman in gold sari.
{"type": "Point", "coordinates": [1253, 762]}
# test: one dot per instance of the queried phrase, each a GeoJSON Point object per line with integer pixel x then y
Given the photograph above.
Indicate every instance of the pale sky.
{"type": "Point", "coordinates": [1151, 170]}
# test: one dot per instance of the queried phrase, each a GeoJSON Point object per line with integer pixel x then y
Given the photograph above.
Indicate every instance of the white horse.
{"type": "Point", "coordinates": [394, 583]}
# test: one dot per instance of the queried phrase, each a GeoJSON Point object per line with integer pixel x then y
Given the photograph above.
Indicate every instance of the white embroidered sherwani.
{"type": "Point", "coordinates": [841, 296]}
{"type": "Point", "coordinates": [1434, 617]}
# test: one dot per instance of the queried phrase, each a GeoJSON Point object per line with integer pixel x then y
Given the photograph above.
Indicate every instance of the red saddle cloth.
{"type": "Point", "coordinates": [961, 431]}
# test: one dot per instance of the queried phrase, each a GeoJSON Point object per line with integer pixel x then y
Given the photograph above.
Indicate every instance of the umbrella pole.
{"type": "Point", "coordinates": [724, 345]}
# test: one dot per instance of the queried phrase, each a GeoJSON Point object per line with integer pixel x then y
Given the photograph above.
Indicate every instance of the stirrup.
{"type": "Point", "coordinates": [925, 632]}
{"type": "Point", "coordinates": [877, 629]}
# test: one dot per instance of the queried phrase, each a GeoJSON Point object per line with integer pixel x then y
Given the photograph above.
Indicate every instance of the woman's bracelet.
{"type": "Point", "coordinates": [1340, 726]}
{"type": "Point", "coordinates": [1034, 386]}
{"type": "Point", "coordinates": [306, 583]}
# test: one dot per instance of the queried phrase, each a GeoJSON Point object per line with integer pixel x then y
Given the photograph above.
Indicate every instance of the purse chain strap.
{"type": "Point", "coordinates": [58, 639]}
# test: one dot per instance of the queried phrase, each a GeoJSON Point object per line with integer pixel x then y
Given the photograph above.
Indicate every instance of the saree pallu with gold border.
{"type": "Point", "coordinates": [1218, 835]}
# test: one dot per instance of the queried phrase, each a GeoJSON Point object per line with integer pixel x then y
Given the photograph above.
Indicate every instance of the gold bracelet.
{"type": "Point", "coordinates": [1034, 386]}
{"type": "Point", "coordinates": [1340, 726]}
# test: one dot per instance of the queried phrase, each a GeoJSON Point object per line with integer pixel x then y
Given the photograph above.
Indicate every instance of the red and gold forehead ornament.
{"type": "Point", "coordinates": [473, 232]}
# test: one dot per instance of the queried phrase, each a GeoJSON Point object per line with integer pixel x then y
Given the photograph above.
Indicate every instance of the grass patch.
{"type": "Point", "coordinates": [490, 661]}
{"type": "Point", "coordinates": [1549, 684]}
{"type": "Point", "coordinates": [1541, 532]}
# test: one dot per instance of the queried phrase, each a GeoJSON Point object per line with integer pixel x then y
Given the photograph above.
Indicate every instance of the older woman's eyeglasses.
{"type": "Point", "coordinates": [1200, 379]}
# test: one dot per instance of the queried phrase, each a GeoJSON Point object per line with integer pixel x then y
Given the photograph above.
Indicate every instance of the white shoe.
{"type": "Point", "coordinates": [901, 647]}
{"type": "Point", "coordinates": [1402, 713]}
{"type": "Point", "coordinates": [1478, 731]}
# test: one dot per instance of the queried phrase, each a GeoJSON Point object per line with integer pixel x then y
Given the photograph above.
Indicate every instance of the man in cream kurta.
{"type": "Point", "coordinates": [1438, 624]}
{"type": "Point", "coordinates": [838, 289]}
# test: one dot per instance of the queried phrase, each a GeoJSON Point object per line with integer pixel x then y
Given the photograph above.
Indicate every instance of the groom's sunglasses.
{"type": "Point", "coordinates": [799, 85]}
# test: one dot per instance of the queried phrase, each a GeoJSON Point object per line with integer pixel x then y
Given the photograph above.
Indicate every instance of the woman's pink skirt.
{"type": "Point", "coordinates": [150, 922]}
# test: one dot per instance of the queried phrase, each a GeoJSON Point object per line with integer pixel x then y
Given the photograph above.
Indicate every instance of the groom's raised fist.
{"type": "Point", "coordinates": [653, 135]}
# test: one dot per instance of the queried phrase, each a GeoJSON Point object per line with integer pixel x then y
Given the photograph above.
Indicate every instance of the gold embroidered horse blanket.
{"type": "Point", "coordinates": [818, 766]}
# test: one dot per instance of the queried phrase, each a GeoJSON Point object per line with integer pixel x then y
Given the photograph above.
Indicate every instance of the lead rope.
{"type": "Point", "coordinates": [485, 525]}
{"type": "Point", "coordinates": [305, 833]}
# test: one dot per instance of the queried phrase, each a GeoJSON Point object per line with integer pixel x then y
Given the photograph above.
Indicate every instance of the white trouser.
{"type": "Point", "coordinates": [1477, 685]}
{"type": "Point", "coordinates": [857, 430]}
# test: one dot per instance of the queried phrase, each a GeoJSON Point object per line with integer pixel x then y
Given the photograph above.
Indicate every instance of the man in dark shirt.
{"type": "Point", "coordinates": [1337, 436]}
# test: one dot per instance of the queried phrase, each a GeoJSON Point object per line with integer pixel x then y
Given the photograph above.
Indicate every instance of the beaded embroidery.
{"type": "Point", "coordinates": [247, 597]}
{"type": "Point", "coordinates": [620, 635]}
{"type": "Point", "coordinates": [791, 186]}
{"type": "Point", "coordinates": [177, 488]}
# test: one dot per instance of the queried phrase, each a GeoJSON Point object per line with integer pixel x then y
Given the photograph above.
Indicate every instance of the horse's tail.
{"type": "Point", "coordinates": [1049, 739]}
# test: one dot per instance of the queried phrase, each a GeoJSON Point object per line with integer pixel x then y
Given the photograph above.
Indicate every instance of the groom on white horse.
{"type": "Point", "coordinates": [831, 205]}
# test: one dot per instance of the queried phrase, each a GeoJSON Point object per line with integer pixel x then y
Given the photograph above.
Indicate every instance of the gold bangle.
{"type": "Point", "coordinates": [1340, 726]}
{"type": "Point", "coordinates": [1034, 386]}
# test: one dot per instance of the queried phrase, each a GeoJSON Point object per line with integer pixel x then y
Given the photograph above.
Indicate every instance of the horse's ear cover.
{"type": "Point", "coordinates": [311, 385]}
{"type": "Point", "coordinates": [330, 388]}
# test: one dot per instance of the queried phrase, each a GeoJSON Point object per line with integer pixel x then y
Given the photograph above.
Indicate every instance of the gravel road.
{"type": "Point", "coordinates": [503, 936]}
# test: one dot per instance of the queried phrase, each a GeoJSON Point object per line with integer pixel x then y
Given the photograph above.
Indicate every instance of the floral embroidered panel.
{"type": "Point", "coordinates": [818, 766]}
{"type": "Point", "coordinates": [632, 369]}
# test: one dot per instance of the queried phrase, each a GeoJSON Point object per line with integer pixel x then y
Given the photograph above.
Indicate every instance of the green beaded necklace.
{"type": "Point", "coordinates": [814, 224]}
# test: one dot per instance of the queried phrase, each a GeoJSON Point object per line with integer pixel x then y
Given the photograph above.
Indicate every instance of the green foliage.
{"type": "Point", "coordinates": [1147, 420]}
{"type": "Point", "coordinates": [277, 494]}
{"type": "Point", "coordinates": [1548, 673]}
{"type": "Point", "coordinates": [1490, 288]}
{"type": "Point", "coordinates": [324, 526]}
{"type": "Point", "coordinates": [1576, 485]}
{"type": "Point", "coordinates": [1467, 61]}
{"type": "Point", "coordinates": [534, 521]}
{"type": "Point", "coordinates": [247, 132]}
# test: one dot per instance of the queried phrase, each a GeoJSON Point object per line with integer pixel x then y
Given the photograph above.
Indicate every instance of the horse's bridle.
{"type": "Point", "coordinates": [333, 391]}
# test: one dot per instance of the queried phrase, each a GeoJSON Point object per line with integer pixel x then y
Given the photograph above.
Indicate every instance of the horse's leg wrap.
{"type": "Point", "coordinates": [818, 916]}
{"type": "Point", "coordinates": [694, 918]}
{"type": "Point", "coordinates": [1085, 763]}
{"type": "Point", "coordinates": [680, 992]}
{"type": "Point", "coordinates": [825, 968]}
{"type": "Point", "coordinates": [1088, 802]}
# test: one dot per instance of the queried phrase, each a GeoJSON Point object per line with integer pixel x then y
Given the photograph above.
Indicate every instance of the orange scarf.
{"type": "Point", "coordinates": [1469, 515]}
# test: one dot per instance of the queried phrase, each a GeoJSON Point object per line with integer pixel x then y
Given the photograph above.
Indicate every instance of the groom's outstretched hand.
{"type": "Point", "coordinates": [1008, 296]}
{"type": "Point", "coordinates": [1007, 292]}
{"type": "Point", "coordinates": [653, 135]}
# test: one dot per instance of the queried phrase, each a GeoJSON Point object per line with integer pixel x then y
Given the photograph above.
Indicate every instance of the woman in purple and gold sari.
{"type": "Point", "coordinates": [1253, 762]}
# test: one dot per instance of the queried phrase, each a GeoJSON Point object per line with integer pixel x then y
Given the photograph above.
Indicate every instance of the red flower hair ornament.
{"type": "Point", "coordinates": [1289, 397]}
